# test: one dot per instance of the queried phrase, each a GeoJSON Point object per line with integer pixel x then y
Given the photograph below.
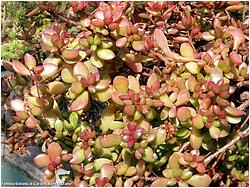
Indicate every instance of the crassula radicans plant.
{"type": "Point", "coordinates": [140, 94]}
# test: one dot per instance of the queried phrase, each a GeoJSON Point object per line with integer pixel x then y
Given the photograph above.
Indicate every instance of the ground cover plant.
{"type": "Point", "coordinates": [128, 93]}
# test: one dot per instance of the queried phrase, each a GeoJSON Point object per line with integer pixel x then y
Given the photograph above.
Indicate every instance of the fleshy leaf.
{"type": "Point", "coordinates": [17, 105]}
{"type": "Point", "coordinates": [80, 102]}
{"type": "Point", "coordinates": [76, 87]}
{"type": "Point", "coordinates": [67, 75]}
{"type": "Point", "coordinates": [110, 140]}
{"type": "Point", "coordinates": [97, 62]}
{"type": "Point", "coordinates": [197, 122]}
{"type": "Point", "coordinates": [233, 120]}
{"type": "Point", "coordinates": [20, 68]}
{"type": "Point", "coordinates": [98, 163]}
{"type": "Point", "coordinates": [164, 113]}
{"type": "Point", "coordinates": [73, 119]}
{"type": "Point", "coordinates": [199, 180]}
{"type": "Point", "coordinates": [70, 54]}
{"type": "Point", "coordinates": [129, 109]}
{"type": "Point", "coordinates": [29, 61]}
{"type": "Point", "coordinates": [138, 45]}
{"type": "Point", "coordinates": [162, 42]}
{"type": "Point", "coordinates": [116, 98]}
{"type": "Point", "coordinates": [56, 87]}
{"type": "Point", "coordinates": [135, 67]}
{"type": "Point", "coordinates": [160, 182]}
{"type": "Point", "coordinates": [195, 139]}
{"type": "Point", "coordinates": [31, 123]}
{"type": "Point", "coordinates": [183, 97]}
{"type": "Point", "coordinates": [48, 70]}
{"type": "Point", "coordinates": [166, 100]}
{"type": "Point", "coordinates": [121, 42]}
{"type": "Point", "coordinates": [214, 132]}
{"type": "Point", "coordinates": [54, 150]}
{"type": "Point", "coordinates": [234, 111]}
{"type": "Point", "coordinates": [148, 155]}
{"type": "Point", "coordinates": [104, 83]}
{"type": "Point", "coordinates": [105, 54]}
{"type": "Point", "coordinates": [174, 160]}
{"type": "Point", "coordinates": [131, 171]}
{"type": "Point", "coordinates": [235, 58]}
{"type": "Point", "coordinates": [238, 38]}
{"type": "Point", "coordinates": [116, 125]}
{"type": "Point", "coordinates": [55, 61]}
{"type": "Point", "coordinates": [121, 84]}
{"type": "Point", "coordinates": [183, 113]}
{"type": "Point", "coordinates": [80, 69]}
{"type": "Point", "coordinates": [42, 160]}
{"type": "Point", "coordinates": [216, 75]}
{"type": "Point", "coordinates": [207, 36]}
{"type": "Point", "coordinates": [186, 50]}
{"type": "Point", "coordinates": [134, 84]}
{"type": "Point", "coordinates": [103, 95]}
{"type": "Point", "coordinates": [107, 117]}
{"type": "Point", "coordinates": [107, 171]}
{"type": "Point", "coordinates": [193, 67]}
{"type": "Point", "coordinates": [160, 137]}
{"type": "Point", "coordinates": [78, 156]}
{"type": "Point", "coordinates": [152, 80]}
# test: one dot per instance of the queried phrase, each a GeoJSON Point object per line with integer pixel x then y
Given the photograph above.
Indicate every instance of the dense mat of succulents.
{"type": "Point", "coordinates": [133, 93]}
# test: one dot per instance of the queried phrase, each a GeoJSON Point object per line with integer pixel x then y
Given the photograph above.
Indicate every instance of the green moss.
{"type": "Point", "coordinates": [8, 50]}
{"type": "Point", "coordinates": [16, 11]}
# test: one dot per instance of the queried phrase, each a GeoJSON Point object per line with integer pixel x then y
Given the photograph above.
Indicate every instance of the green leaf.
{"type": "Point", "coordinates": [108, 141]}
{"type": "Point", "coordinates": [107, 117]}
{"type": "Point", "coordinates": [78, 156]}
{"type": "Point", "coordinates": [195, 139]}
{"type": "Point", "coordinates": [105, 54]}
{"type": "Point", "coordinates": [199, 180]}
{"type": "Point", "coordinates": [116, 125]}
{"type": "Point", "coordinates": [73, 119]}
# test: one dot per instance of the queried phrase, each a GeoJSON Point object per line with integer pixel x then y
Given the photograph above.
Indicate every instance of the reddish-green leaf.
{"type": "Point", "coordinates": [234, 111]}
{"type": "Point", "coordinates": [56, 87]}
{"type": "Point", "coordinates": [29, 61]}
{"type": "Point", "coordinates": [183, 113]}
{"type": "Point", "coordinates": [134, 84]}
{"type": "Point", "coordinates": [42, 160]}
{"type": "Point", "coordinates": [138, 45]}
{"type": "Point", "coordinates": [183, 97]}
{"type": "Point", "coordinates": [197, 122]}
{"type": "Point", "coordinates": [54, 150]}
{"type": "Point", "coordinates": [20, 68]}
{"type": "Point", "coordinates": [107, 171]}
{"type": "Point", "coordinates": [31, 123]}
{"type": "Point", "coordinates": [120, 83]}
{"type": "Point", "coordinates": [80, 102]}
{"type": "Point", "coordinates": [48, 70]}
{"type": "Point", "coordinates": [81, 69]}
{"type": "Point", "coordinates": [199, 180]}
{"type": "Point", "coordinates": [70, 54]}
{"type": "Point", "coordinates": [160, 182]}
{"type": "Point", "coordinates": [195, 139]}
{"type": "Point", "coordinates": [110, 140]}
{"type": "Point", "coordinates": [187, 50]}
{"type": "Point", "coordinates": [78, 156]}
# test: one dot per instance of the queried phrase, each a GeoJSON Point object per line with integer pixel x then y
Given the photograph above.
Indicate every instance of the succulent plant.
{"type": "Point", "coordinates": [141, 94]}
